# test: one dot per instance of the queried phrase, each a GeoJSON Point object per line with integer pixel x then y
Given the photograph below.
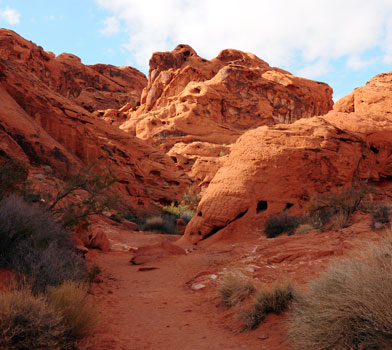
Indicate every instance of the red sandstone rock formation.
{"type": "Point", "coordinates": [193, 108]}
{"type": "Point", "coordinates": [274, 168]}
{"type": "Point", "coordinates": [92, 87]}
{"type": "Point", "coordinates": [42, 121]}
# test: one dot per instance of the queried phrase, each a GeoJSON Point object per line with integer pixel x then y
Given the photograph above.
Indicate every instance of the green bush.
{"type": "Point", "coordinates": [283, 223]}
{"type": "Point", "coordinates": [272, 300]}
{"type": "Point", "coordinates": [234, 288]}
{"type": "Point", "coordinates": [180, 211]}
{"type": "Point", "coordinates": [29, 323]}
{"type": "Point", "coordinates": [347, 307]}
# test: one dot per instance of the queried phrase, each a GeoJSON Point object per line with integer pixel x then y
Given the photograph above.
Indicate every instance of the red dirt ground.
{"type": "Point", "coordinates": [174, 303]}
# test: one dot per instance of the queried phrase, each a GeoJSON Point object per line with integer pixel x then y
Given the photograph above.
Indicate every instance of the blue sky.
{"type": "Point", "coordinates": [341, 42]}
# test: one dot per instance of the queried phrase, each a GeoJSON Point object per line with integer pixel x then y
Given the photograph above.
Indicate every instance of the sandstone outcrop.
{"type": "Point", "coordinates": [92, 87]}
{"type": "Point", "coordinates": [276, 168]}
{"type": "Point", "coordinates": [191, 103]}
{"type": "Point", "coordinates": [43, 121]}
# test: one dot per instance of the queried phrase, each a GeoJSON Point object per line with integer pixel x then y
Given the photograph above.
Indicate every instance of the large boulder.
{"type": "Point", "coordinates": [192, 104]}
{"type": "Point", "coordinates": [276, 168]}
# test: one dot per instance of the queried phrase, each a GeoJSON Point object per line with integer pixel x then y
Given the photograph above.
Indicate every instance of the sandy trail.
{"type": "Point", "coordinates": [158, 309]}
{"type": "Point", "coordinates": [163, 308]}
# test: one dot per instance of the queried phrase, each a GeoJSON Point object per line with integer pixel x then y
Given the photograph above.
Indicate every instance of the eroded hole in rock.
{"type": "Point", "coordinates": [155, 172]}
{"type": "Point", "coordinates": [262, 206]}
{"type": "Point", "coordinates": [174, 159]}
{"type": "Point", "coordinates": [199, 213]}
{"type": "Point", "coordinates": [174, 183]}
{"type": "Point", "coordinates": [288, 206]}
{"type": "Point", "coordinates": [374, 149]}
{"type": "Point", "coordinates": [199, 233]}
{"type": "Point", "coordinates": [187, 53]}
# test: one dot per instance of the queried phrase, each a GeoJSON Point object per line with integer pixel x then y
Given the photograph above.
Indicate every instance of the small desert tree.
{"type": "Point", "coordinates": [83, 194]}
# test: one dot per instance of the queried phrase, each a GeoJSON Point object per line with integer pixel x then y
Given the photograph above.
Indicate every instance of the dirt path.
{"type": "Point", "coordinates": [158, 309]}
{"type": "Point", "coordinates": [175, 304]}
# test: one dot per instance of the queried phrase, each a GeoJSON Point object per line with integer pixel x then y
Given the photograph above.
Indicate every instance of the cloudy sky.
{"type": "Point", "coordinates": [341, 42]}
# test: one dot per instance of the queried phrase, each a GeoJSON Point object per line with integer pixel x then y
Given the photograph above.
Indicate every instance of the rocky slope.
{"type": "Point", "coordinates": [45, 119]}
{"type": "Point", "coordinates": [92, 87]}
{"type": "Point", "coordinates": [275, 168]}
{"type": "Point", "coordinates": [194, 109]}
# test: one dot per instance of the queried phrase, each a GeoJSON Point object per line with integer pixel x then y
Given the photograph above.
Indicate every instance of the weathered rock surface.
{"type": "Point", "coordinates": [192, 104]}
{"type": "Point", "coordinates": [276, 168]}
{"type": "Point", "coordinates": [92, 87]}
{"type": "Point", "coordinates": [42, 122]}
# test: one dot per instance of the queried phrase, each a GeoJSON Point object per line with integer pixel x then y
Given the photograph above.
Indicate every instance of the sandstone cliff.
{"type": "Point", "coordinates": [276, 168]}
{"type": "Point", "coordinates": [45, 119]}
{"type": "Point", "coordinates": [194, 109]}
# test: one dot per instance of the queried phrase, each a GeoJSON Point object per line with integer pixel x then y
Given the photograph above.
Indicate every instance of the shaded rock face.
{"type": "Point", "coordinates": [276, 168]}
{"type": "Point", "coordinates": [92, 87]}
{"type": "Point", "coordinates": [42, 122]}
{"type": "Point", "coordinates": [193, 101]}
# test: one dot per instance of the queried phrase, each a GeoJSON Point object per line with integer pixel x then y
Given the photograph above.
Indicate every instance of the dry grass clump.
{"type": "Point", "coordinates": [29, 323]}
{"type": "Point", "coordinates": [79, 313]}
{"type": "Point", "coordinates": [349, 306]}
{"type": "Point", "coordinates": [272, 300]}
{"type": "Point", "coordinates": [235, 287]}
{"type": "Point", "coordinates": [162, 223]}
{"type": "Point", "coordinates": [303, 228]}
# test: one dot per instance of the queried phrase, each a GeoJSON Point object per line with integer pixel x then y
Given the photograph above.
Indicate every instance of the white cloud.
{"type": "Point", "coordinates": [315, 70]}
{"type": "Point", "coordinates": [354, 62]}
{"type": "Point", "coordinates": [279, 32]}
{"type": "Point", "coordinates": [112, 26]}
{"type": "Point", "coordinates": [9, 15]}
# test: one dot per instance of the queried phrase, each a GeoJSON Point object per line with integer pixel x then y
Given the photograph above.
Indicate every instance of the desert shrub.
{"type": "Point", "coordinates": [161, 223]}
{"type": "Point", "coordinates": [49, 266]}
{"type": "Point", "coordinates": [20, 221]}
{"type": "Point", "coordinates": [94, 183]}
{"type": "Point", "coordinates": [283, 223]}
{"type": "Point", "coordinates": [234, 288]}
{"type": "Point", "coordinates": [132, 216]}
{"type": "Point", "coordinates": [347, 307]}
{"type": "Point", "coordinates": [79, 313]}
{"type": "Point", "coordinates": [180, 211]}
{"type": "Point", "coordinates": [381, 215]}
{"type": "Point", "coordinates": [29, 323]}
{"type": "Point", "coordinates": [12, 174]}
{"type": "Point", "coordinates": [343, 203]}
{"type": "Point", "coordinates": [272, 300]}
{"type": "Point", "coordinates": [33, 244]}
{"type": "Point", "coordinates": [340, 220]}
